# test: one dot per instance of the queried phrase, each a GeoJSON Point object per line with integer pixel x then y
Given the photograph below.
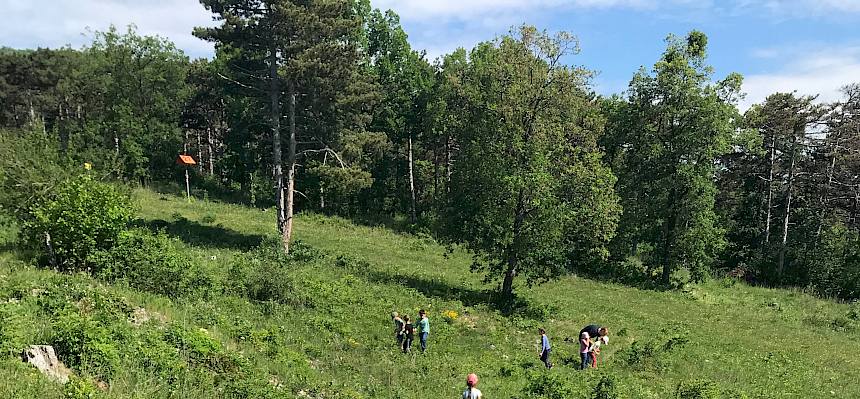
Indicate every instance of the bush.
{"type": "Point", "coordinates": [548, 386]}
{"type": "Point", "coordinates": [606, 388]}
{"type": "Point", "coordinates": [85, 216]}
{"type": "Point", "coordinates": [651, 355]}
{"type": "Point", "coordinates": [11, 337]}
{"type": "Point", "coordinates": [152, 262]}
{"type": "Point", "coordinates": [84, 343]}
{"type": "Point", "coordinates": [81, 388]}
{"type": "Point", "coordinates": [698, 389]}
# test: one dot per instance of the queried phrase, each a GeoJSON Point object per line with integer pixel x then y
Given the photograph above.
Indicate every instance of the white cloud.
{"type": "Point", "coordinates": [820, 72]}
{"type": "Point", "coordinates": [46, 23]}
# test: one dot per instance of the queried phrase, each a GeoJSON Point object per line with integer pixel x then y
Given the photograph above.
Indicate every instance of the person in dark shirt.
{"type": "Point", "coordinates": [408, 334]}
{"type": "Point", "coordinates": [594, 331]}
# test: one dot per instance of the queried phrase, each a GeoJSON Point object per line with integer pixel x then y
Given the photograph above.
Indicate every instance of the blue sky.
{"type": "Point", "coordinates": [778, 45]}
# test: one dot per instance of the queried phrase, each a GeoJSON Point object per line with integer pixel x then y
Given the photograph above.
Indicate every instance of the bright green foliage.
{"type": "Point", "coordinates": [529, 194]}
{"type": "Point", "coordinates": [85, 215]}
{"type": "Point", "coordinates": [663, 140]}
{"type": "Point", "coordinates": [606, 388]}
{"type": "Point", "coordinates": [698, 390]}
{"type": "Point", "coordinates": [151, 262]}
{"type": "Point", "coordinates": [81, 388]}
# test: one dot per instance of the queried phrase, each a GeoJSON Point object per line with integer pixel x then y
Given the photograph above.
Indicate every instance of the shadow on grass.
{"type": "Point", "coordinates": [205, 236]}
{"type": "Point", "coordinates": [436, 288]}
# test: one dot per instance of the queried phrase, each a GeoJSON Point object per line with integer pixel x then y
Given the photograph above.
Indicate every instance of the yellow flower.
{"type": "Point", "coordinates": [450, 315]}
{"type": "Point", "coordinates": [88, 166]}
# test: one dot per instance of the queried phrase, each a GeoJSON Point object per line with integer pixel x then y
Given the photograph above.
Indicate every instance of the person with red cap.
{"type": "Point", "coordinates": [472, 392]}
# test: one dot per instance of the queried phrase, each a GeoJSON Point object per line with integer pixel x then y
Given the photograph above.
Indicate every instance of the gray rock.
{"type": "Point", "coordinates": [45, 360]}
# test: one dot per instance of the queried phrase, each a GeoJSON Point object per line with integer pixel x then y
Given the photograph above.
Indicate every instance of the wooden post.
{"type": "Point", "coordinates": [187, 186]}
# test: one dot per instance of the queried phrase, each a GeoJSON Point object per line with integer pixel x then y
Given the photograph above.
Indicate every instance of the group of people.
{"type": "Point", "coordinates": [404, 331]}
{"type": "Point", "coordinates": [591, 337]}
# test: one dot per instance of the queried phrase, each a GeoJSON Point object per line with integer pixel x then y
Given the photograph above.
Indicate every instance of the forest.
{"type": "Point", "coordinates": [505, 149]}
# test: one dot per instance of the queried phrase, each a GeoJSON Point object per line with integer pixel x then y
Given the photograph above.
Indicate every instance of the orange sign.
{"type": "Point", "coordinates": [186, 160]}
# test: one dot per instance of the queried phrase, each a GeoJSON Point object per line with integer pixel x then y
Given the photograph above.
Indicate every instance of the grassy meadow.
{"type": "Point", "coordinates": [327, 332]}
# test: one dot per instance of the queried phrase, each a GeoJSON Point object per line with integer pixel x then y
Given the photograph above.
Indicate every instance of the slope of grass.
{"type": "Point", "coordinates": [329, 334]}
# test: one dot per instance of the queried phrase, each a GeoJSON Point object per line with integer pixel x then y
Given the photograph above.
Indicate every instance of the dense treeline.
{"type": "Point", "coordinates": [324, 106]}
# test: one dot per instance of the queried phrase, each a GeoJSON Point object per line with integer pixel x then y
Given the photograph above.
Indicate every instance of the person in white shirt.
{"type": "Point", "coordinates": [594, 350]}
{"type": "Point", "coordinates": [472, 391]}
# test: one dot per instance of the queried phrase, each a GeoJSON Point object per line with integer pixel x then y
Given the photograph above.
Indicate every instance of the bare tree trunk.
{"type": "Point", "coordinates": [50, 247]}
{"type": "Point", "coordinates": [770, 189]}
{"type": "Point", "coordinates": [209, 151]}
{"type": "Point", "coordinates": [291, 165]}
{"type": "Point", "coordinates": [322, 189]}
{"type": "Point", "coordinates": [449, 170]}
{"type": "Point", "coordinates": [199, 153]}
{"type": "Point", "coordinates": [412, 212]}
{"type": "Point", "coordinates": [275, 105]}
{"type": "Point", "coordinates": [786, 217]}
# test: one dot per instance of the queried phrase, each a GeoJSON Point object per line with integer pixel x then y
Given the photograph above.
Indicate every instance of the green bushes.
{"type": "Point", "coordinates": [83, 217]}
{"type": "Point", "coordinates": [698, 389]}
{"type": "Point", "coordinates": [652, 355]}
{"type": "Point", "coordinates": [154, 263]}
{"type": "Point", "coordinates": [85, 344]}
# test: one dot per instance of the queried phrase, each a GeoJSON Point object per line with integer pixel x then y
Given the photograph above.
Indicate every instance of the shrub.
{"type": "Point", "coordinates": [548, 386]}
{"type": "Point", "coordinates": [85, 216]}
{"type": "Point", "coordinates": [651, 355]}
{"type": "Point", "coordinates": [81, 342]}
{"type": "Point", "coordinates": [81, 388]}
{"type": "Point", "coordinates": [11, 336]}
{"type": "Point", "coordinates": [606, 388]}
{"type": "Point", "coordinates": [152, 262]}
{"type": "Point", "coordinates": [698, 389]}
{"type": "Point", "coordinates": [201, 349]}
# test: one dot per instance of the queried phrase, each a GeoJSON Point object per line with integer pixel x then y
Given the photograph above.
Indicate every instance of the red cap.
{"type": "Point", "coordinates": [472, 380]}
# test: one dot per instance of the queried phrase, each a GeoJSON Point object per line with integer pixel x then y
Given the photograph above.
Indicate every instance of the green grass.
{"type": "Point", "coordinates": [334, 336]}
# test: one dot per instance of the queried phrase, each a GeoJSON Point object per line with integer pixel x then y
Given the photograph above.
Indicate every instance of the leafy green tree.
{"type": "Point", "coordinates": [405, 79]}
{"type": "Point", "coordinates": [529, 193]}
{"type": "Point", "coordinates": [133, 89]}
{"type": "Point", "coordinates": [664, 140]}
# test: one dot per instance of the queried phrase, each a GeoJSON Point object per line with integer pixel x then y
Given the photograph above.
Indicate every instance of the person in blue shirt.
{"type": "Point", "coordinates": [423, 329]}
{"type": "Point", "coordinates": [545, 348]}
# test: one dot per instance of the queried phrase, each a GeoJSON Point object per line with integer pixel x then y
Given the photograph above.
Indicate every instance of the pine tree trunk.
{"type": "Point", "coordinates": [770, 189]}
{"type": "Point", "coordinates": [322, 188]}
{"type": "Point", "coordinates": [412, 212]}
{"type": "Point", "coordinates": [782, 249]}
{"type": "Point", "coordinates": [275, 108]}
{"type": "Point", "coordinates": [291, 168]}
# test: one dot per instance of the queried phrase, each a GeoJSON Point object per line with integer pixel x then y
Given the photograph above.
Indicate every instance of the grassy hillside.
{"type": "Point", "coordinates": [325, 332]}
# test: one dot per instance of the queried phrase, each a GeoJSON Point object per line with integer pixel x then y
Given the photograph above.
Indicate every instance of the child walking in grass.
{"type": "Point", "coordinates": [472, 391]}
{"type": "Point", "coordinates": [408, 334]}
{"type": "Point", "coordinates": [584, 346]}
{"type": "Point", "coordinates": [398, 328]}
{"type": "Point", "coordinates": [595, 349]}
{"type": "Point", "coordinates": [545, 348]}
